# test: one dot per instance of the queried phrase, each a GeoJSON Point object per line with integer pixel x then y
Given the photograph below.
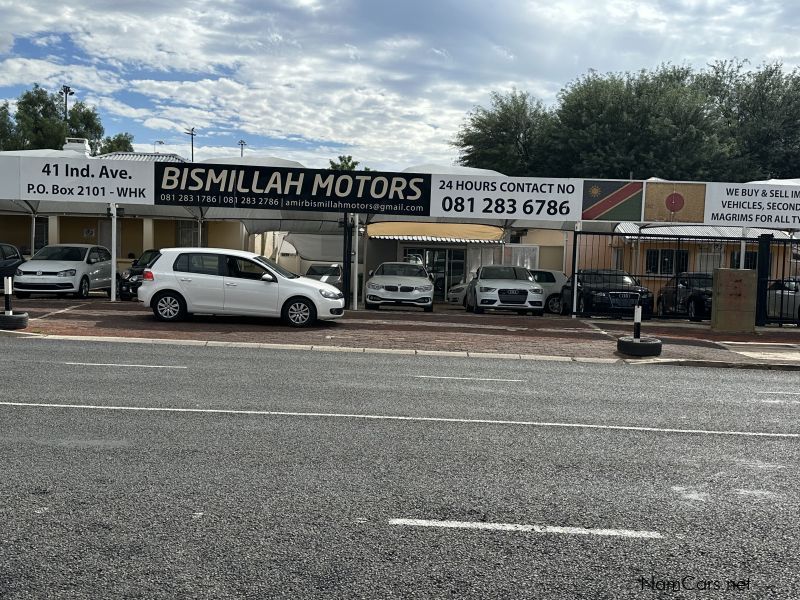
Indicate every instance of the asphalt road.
{"type": "Point", "coordinates": [239, 473]}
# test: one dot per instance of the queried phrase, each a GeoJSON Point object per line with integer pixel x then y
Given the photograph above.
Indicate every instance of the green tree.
{"type": "Point", "coordinates": [513, 136]}
{"type": "Point", "coordinates": [122, 142]}
{"type": "Point", "coordinates": [84, 122]}
{"type": "Point", "coordinates": [8, 133]}
{"type": "Point", "coordinates": [345, 163]}
{"type": "Point", "coordinates": [40, 120]}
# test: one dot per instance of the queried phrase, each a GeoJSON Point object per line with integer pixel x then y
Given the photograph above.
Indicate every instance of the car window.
{"type": "Point", "coordinates": [500, 272]}
{"type": "Point", "coordinates": [322, 270]}
{"type": "Point", "coordinates": [543, 277]}
{"type": "Point", "coordinates": [94, 255]}
{"type": "Point", "coordinates": [104, 254]}
{"type": "Point", "coordinates": [65, 253]}
{"type": "Point", "coordinates": [202, 264]}
{"type": "Point", "coordinates": [244, 269]}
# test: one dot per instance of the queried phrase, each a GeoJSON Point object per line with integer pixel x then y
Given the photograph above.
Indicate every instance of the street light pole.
{"type": "Point", "coordinates": [242, 144]}
{"type": "Point", "coordinates": [66, 91]}
{"type": "Point", "coordinates": [159, 142]}
{"type": "Point", "coordinates": [191, 133]}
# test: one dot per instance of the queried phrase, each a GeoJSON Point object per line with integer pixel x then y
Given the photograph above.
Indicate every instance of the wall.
{"type": "Point", "coordinates": [224, 234]}
{"type": "Point", "coordinates": [551, 257]}
{"type": "Point", "coordinates": [131, 238]}
{"type": "Point", "coordinates": [163, 233]}
{"type": "Point", "coordinates": [71, 230]}
{"type": "Point", "coordinates": [16, 230]}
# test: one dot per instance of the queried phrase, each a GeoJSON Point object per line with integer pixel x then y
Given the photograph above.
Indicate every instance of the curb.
{"type": "Point", "coordinates": [676, 362]}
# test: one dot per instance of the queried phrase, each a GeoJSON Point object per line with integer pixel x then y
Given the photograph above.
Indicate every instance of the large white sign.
{"type": "Point", "coordinates": [753, 205]}
{"type": "Point", "coordinates": [477, 197]}
{"type": "Point", "coordinates": [86, 180]}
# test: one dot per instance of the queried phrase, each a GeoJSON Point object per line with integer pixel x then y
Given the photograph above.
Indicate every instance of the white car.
{"type": "Point", "coordinates": [218, 281]}
{"type": "Point", "coordinates": [551, 282]}
{"type": "Point", "coordinates": [65, 269]}
{"type": "Point", "coordinates": [505, 287]}
{"type": "Point", "coordinates": [399, 283]}
{"type": "Point", "coordinates": [457, 294]}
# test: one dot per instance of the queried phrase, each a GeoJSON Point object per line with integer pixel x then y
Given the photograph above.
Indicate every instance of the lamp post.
{"type": "Point", "coordinates": [191, 134]}
{"type": "Point", "coordinates": [159, 142]}
{"type": "Point", "coordinates": [66, 91]}
{"type": "Point", "coordinates": [242, 144]}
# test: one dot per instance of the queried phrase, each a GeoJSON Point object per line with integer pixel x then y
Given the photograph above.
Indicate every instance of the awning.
{"type": "Point", "coordinates": [453, 233]}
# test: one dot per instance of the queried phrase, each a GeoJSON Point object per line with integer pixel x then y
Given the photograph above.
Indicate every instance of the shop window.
{"type": "Point", "coordinates": [750, 259]}
{"type": "Point", "coordinates": [666, 261]}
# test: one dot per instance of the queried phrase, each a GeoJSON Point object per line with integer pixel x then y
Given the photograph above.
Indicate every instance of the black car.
{"type": "Point", "coordinates": [606, 292]}
{"type": "Point", "coordinates": [686, 294]}
{"type": "Point", "coordinates": [130, 279]}
{"type": "Point", "coordinates": [10, 259]}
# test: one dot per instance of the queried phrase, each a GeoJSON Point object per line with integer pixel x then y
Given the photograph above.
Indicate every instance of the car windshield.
{"type": "Point", "coordinates": [401, 270]}
{"type": "Point", "coordinates": [276, 267]}
{"type": "Point", "coordinates": [607, 278]}
{"type": "Point", "coordinates": [146, 258]}
{"type": "Point", "coordinates": [322, 270]}
{"type": "Point", "coordinates": [505, 273]}
{"type": "Point", "coordinates": [65, 253]}
{"type": "Point", "coordinates": [701, 282]}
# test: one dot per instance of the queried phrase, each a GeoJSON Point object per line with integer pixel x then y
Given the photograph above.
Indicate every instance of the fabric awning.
{"type": "Point", "coordinates": [470, 233]}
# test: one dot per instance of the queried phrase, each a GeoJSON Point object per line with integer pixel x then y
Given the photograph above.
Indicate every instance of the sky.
{"type": "Point", "coordinates": [388, 82]}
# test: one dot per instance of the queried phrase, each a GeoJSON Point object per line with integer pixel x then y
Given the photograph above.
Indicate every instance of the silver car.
{"type": "Point", "coordinates": [399, 283]}
{"type": "Point", "coordinates": [65, 269]}
{"type": "Point", "coordinates": [783, 300]}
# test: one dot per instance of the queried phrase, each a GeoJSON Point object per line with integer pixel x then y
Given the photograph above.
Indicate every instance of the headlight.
{"type": "Point", "coordinates": [331, 295]}
{"type": "Point", "coordinates": [424, 288]}
{"type": "Point", "coordinates": [125, 274]}
{"type": "Point", "coordinates": [487, 289]}
{"type": "Point", "coordinates": [374, 286]}
{"type": "Point", "coordinates": [18, 273]}
{"type": "Point", "coordinates": [600, 294]}
{"type": "Point", "coordinates": [535, 290]}
{"type": "Point", "coordinates": [67, 273]}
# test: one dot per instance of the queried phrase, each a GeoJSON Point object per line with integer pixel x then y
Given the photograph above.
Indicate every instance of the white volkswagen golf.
{"type": "Point", "coordinates": [218, 281]}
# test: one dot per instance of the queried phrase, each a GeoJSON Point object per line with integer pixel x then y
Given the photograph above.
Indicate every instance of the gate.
{"type": "Point", "coordinates": [677, 268]}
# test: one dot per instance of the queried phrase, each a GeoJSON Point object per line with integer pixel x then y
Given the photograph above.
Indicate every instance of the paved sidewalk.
{"type": "Point", "coordinates": [446, 330]}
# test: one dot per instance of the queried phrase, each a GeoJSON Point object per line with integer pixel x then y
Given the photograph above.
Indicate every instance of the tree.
{"type": "Point", "coordinates": [122, 142]}
{"type": "Point", "coordinates": [345, 163]}
{"type": "Point", "coordinates": [84, 122]}
{"type": "Point", "coordinates": [39, 120]}
{"type": "Point", "coordinates": [512, 136]}
{"type": "Point", "coordinates": [8, 133]}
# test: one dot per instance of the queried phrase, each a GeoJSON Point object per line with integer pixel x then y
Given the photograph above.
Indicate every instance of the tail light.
{"type": "Point", "coordinates": [147, 275]}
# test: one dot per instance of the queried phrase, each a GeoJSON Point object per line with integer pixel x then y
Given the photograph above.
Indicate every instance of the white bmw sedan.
{"type": "Point", "coordinates": [504, 287]}
{"type": "Point", "coordinates": [218, 281]}
{"type": "Point", "coordinates": [399, 283]}
{"type": "Point", "coordinates": [65, 269]}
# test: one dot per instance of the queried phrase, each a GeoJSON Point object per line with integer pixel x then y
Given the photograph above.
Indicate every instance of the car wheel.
{"type": "Point", "coordinates": [553, 304]}
{"type": "Point", "coordinates": [694, 310]}
{"type": "Point", "coordinates": [16, 321]}
{"type": "Point", "coordinates": [83, 289]}
{"type": "Point", "coordinates": [475, 308]}
{"type": "Point", "coordinates": [299, 312]}
{"type": "Point", "coordinates": [428, 308]}
{"type": "Point", "coordinates": [169, 306]}
{"type": "Point", "coordinates": [22, 295]}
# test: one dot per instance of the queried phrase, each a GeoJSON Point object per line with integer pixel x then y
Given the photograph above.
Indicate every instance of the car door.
{"type": "Point", "coordinates": [668, 295]}
{"type": "Point", "coordinates": [782, 300]}
{"type": "Point", "coordinates": [246, 293]}
{"type": "Point", "coordinates": [104, 267]}
{"type": "Point", "coordinates": [682, 293]}
{"type": "Point", "coordinates": [200, 278]}
{"type": "Point", "coordinates": [94, 268]}
{"type": "Point", "coordinates": [9, 257]}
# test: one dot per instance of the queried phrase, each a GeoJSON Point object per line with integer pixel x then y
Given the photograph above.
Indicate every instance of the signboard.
{"type": "Point", "coordinates": [753, 205]}
{"type": "Point", "coordinates": [284, 188]}
{"type": "Point", "coordinates": [476, 197]}
{"type": "Point", "coordinates": [86, 180]}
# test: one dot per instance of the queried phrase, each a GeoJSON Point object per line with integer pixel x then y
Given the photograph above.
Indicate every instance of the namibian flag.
{"type": "Point", "coordinates": [612, 200]}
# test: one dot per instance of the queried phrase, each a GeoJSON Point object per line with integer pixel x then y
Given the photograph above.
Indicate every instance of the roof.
{"type": "Point", "coordinates": [430, 238]}
{"type": "Point", "coordinates": [696, 231]}
{"type": "Point", "coordinates": [142, 156]}
{"type": "Point", "coordinates": [241, 253]}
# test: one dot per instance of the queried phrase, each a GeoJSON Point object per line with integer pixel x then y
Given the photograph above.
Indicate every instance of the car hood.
{"type": "Point", "coordinates": [317, 285]}
{"type": "Point", "coordinates": [507, 283]}
{"type": "Point", "coordinates": [324, 278]}
{"type": "Point", "coordinates": [397, 280]}
{"type": "Point", "coordinates": [51, 265]}
{"type": "Point", "coordinates": [600, 287]}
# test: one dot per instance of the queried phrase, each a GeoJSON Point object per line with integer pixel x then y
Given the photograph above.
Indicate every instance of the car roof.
{"type": "Point", "coordinates": [74, 246]}
{"type": "Point", "coordinates": [230, 251]}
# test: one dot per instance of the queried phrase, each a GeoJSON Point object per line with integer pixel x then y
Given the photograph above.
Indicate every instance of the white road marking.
{"type": "Point", "coordinates": [84, 364]}
{"type": "Point", "coordinates": [57, 312]}
{"type": "Point", "coordinates": [526, 528]}
{"type": "Point", "coordinates": [781, 393]}
{"type": "Point", "coordinates": [465, 378]}
{"type": "Point", "coordinates": [276, 413]}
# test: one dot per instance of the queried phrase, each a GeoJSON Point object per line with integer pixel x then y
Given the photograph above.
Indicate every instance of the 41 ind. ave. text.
{"type": "Point", "coordinates": [67, 170]}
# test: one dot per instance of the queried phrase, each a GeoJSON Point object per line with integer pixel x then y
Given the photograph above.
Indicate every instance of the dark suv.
{"type": "Point", "coordinates": [686, 294]}
{"type": "Point", "coordinates": [130, 279]}
{"type": "Point", "coordinates": [606, 292]}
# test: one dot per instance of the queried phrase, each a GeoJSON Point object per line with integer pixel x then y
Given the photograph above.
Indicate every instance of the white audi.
{"type": "Point", "coordinates": [505, 287]}
{"type": "Point", "coordinates": [399, 283]}
{"type": "Point", "coordinates": [183, 281]}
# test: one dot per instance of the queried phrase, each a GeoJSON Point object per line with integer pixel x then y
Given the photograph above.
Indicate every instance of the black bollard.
{"type": "Point", "coordinates": [637, 345]}
{"type": "Point", "coordinates": [8, 320]}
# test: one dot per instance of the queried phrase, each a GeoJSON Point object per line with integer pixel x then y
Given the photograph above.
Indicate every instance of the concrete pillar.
{"type": "Point", "coordinates": [53, 236]}
{"type": "Point", "coordinates": [148, 236]}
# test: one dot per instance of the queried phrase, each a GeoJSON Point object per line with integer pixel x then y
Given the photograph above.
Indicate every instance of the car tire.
{"type": "Point", "coordinates": [565, 307]}
{"type": "Point", "coordinates": [695, 311]}
{"type": "Point", "coordinates": [475, 308]}
{"type": "Point", "coordinates": [553, 304]}
{"type": "Point", "coordinates": [18, 321]}
{"type": "Point", "coordinates": [169, 306]}
{"type": "Point", "coordinates": [299, 312]}
{"type": "Point", "coordinates": [83, 289]}
{"type": "Point", "coordinates": [22, 295]}
{"type": "Point", "coordinates": [371, 306]}
{"type": "Point", "coordinates": [646, 346]}
{"type": "Point", "coordinates": [428, 308]}
{"type": "Point", "coordinates": [537, 313]}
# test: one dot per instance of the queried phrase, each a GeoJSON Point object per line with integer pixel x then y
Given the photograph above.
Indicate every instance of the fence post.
{"type": "Point", "coordinates": [762, 277]}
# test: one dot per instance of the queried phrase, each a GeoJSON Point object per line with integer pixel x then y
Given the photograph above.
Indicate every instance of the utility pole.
{"type": "Point", "coordinates": [242, 144]}
{"type": "Point", "coordinates": [66, 91]}
{"type": "Point", "coordinates": [191, 134]}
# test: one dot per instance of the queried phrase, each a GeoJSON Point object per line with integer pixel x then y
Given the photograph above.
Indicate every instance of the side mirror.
{"type": "Point", "coordinates": [430, 276]}
{"type": "Point", "coordinates": [371, 273]}
{"type": "Point", "coordinates": [268, 277]}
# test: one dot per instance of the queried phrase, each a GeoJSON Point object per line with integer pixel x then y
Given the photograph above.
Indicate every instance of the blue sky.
{"type": "Point", "coordinates": [387, 82]}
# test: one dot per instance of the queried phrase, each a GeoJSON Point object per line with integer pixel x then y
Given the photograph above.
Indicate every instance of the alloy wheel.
{"type": "Point", "coordinates": [168, 307]}
{"type": "Point", "coordinates": [299, 313]}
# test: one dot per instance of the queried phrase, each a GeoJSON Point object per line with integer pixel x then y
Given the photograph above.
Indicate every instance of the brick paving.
{"type": "Point", "coordinates": [446, 329]}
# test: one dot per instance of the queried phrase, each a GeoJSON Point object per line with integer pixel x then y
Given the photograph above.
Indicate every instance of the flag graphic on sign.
{"type": "Point", "coordinates": [605, 200]}
{"type": "Point", "coordinates": [675, 202]}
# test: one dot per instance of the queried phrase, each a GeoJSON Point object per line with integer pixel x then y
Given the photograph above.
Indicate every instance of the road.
{"type": "Point", "coordinates": [172, 471]}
